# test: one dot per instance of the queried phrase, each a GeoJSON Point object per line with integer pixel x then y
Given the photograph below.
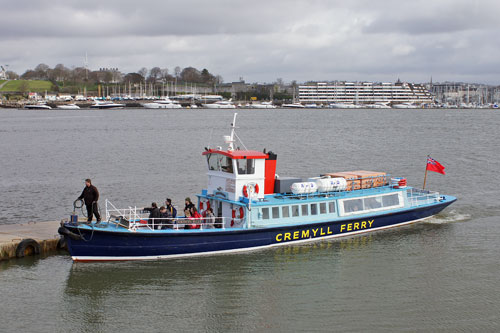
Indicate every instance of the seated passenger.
{"type": "Point", "coordinates": [195, 217]}
{"type": "Point", "coordinates": [210, 218]}
{"type": "Point", "coordinates": [187, 207]}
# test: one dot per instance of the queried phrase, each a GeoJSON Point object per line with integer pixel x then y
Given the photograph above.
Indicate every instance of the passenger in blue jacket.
{"type": "Point", "coordinates": [170, 208]}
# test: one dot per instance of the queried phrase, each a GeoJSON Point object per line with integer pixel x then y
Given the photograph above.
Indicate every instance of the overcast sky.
{"type": "Point", "coordinates": [384, 40]}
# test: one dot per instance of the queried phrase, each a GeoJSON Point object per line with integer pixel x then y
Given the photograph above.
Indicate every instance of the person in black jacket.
{"type": "Point", "coordinates": [90, 196]}
{"type": "Point", "coordinates": [154, 214]}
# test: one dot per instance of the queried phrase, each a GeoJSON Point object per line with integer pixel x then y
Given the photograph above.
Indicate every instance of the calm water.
{"type": "Point", "coordinates": [442, 274]}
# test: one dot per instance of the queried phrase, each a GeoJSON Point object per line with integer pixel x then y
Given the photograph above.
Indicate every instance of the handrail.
{"type": "Point", "coordinates": [418, 197]}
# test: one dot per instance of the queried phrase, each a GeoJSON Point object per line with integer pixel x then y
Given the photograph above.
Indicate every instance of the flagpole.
{"type": "Point", "coordinates": [425, 177]}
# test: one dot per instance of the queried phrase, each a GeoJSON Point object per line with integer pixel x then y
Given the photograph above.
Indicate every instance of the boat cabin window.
{"type": "Point", "coordinates": [380, 202]}
{"type": "Point", "coordinates": [353, 205]}
{"type": "Point", "coordinates": [314, 209]}
{"type": "Point", "coordinates": [305, 210]}
{"type": "Point", "coordinates": [295, 210]}
{"type": "Point", "coordinates": [246, 166]}
{"type": "Point", "coordinates": [265, 213]}
{"type": "Point", "coordinates": [219, 162]}
{"type": "Point", "coordinates": [276, 212]}
{"type": "Point", "coordinates": [390, 200]}
{"type": "Point", "coordinates": [285, 211]}
{"type": "Point", "coordinates": [322, 208]}
{"type": "Point", "coordinates": [331, 206]}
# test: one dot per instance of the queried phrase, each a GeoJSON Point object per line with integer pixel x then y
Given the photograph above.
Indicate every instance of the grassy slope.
{"type": "Point", "coordinates": [32, 85]}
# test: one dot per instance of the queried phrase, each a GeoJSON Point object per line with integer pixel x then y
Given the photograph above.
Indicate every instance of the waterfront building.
{"type": "Point", "coordinates": [362, 93]}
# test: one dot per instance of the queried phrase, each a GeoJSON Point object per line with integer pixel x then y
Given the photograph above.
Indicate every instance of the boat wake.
{"type": "Point", "coordinates": [450, 217]}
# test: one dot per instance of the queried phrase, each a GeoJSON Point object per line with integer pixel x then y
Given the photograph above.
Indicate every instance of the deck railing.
{"type": "Point", "coordinates": [134, 218]}
{"type": "Point", "coordinates": [418, 197]}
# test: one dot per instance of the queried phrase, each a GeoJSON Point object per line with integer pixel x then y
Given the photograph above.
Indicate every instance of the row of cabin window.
{"type": "Point", "coordinates": [299, 210]}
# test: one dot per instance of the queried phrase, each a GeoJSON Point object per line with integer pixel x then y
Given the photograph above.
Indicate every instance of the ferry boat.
{"type": "Point", "coordinates": [254, 209]}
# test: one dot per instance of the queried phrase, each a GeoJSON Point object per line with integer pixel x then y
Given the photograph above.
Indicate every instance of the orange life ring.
{"type": "Point", "coordinates": [242, 213]}
{"type": "Point", "coordinates": [255, 189]}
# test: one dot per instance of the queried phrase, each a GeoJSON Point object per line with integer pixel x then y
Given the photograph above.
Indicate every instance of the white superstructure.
{"type": "Point", "coordinates": [362, 93]}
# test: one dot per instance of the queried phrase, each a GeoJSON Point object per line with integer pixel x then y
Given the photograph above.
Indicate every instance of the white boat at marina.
{"type": "Point", "coordinates": [68, 107]}
{"type": "Point", "coordinates": [165, 103]}
{"type": "Point", "coordinates": [311, 106]}
{"type": "Point", "coordinates": [220, 105]}
{"type": "Point", "coordinates": [107, 105]}
{"type": "Point", "coordinates": [262, 105]}
{"type": "Point", "coordinates": [344, 106]}
{"type": "Point", "coordinates": [39, 106]}
{"type": "Point", "coordinates": [378, 105]}
{"type": "Point", "coordinates": [406, 105]}
{"type": "Point", "coordinates": [296, 105]}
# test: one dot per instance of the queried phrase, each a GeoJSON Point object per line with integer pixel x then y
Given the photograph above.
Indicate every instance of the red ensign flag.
{"type": "Point", "coordinates": [433, 165]}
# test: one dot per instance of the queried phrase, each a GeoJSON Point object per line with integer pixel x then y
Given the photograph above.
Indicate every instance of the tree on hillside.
{"type": "Point", "coordinates": [177, 71]}
{"type": "Point", "coordinates": [133, 78]}
{"type": "Point", "coordinates": [154, 74]}
{"type": "Point", "coordinates": [29, 75]}
{"type": "Point", "coordinates": [42, 71]}
{"type": "Point", "coordinates": [206, 77]}
{"type": "Point", "coordinates": [143, 72]}
{"type": "Point", "coordinates": [191, 74]}
{"type": "Point", "coordinates": [12, 75]}
{"type": "Point", "coordinates": [59, 73]}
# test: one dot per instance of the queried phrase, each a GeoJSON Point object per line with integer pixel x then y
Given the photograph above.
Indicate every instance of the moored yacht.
{"type": "Point", "coordinates": [165, 103]}
{"type": "Point", "coordinates": [296, 105]}
{"type": "Point", "coordinates": [107, 105]}
{"type": "Point", "coordinates": [38, 106]}
{"type": "Point", "coordinates": [68, 107]}
{"type": "Point", "coordinates": [220, 105]}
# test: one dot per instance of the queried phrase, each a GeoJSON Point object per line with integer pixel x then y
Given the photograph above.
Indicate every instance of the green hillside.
{"type": "Point", "coordinates": [27, 86]}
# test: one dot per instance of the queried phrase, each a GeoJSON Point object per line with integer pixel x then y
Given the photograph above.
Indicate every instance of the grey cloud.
{"type": "Point", "coordinates": [261, 40]}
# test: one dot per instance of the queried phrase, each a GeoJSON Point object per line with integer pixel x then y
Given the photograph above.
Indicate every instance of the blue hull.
{"type": "Point", "coordinates": [126, 245]}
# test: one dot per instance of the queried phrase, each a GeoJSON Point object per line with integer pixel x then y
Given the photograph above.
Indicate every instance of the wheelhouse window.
{"type": "Point", "coordinates": [218, 162]}
{"type": "Point", "coordinates": [390, 200]}
{"type": "Point", "coordinates": [246, 166]}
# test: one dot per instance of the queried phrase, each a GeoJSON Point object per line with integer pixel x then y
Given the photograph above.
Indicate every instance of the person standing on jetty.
{"type": "Point", "coordinates": [90, 195]}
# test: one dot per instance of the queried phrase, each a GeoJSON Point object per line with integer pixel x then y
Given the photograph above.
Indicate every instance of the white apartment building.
{"type": "Point", "coordinates": [364, 93]}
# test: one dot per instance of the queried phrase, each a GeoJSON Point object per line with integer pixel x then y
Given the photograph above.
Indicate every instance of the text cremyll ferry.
{"type": "Point", "coordinates": [246, 206]}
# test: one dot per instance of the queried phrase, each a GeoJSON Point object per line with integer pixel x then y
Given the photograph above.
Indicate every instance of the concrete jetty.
{"type": "Point", "coordinates": [19, 240]}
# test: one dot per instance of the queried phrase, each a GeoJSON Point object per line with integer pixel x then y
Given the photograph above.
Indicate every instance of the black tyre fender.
{"type": "Point", "coordinates": [27, 247]}
{"type": "Point", "coordinates": [66, 233]}
{"type": "Point", "coordinates": [62, 244]}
